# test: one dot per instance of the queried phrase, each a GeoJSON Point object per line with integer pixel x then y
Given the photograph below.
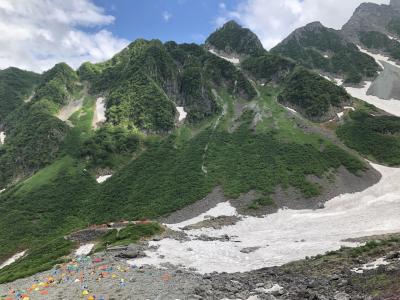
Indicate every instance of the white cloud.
{"type": "Point", "coordinates": [273, 20]}
{"type": "Point", "coordinates": [36, 34]}
{"type": "Point", "coordinates": [166, 16]}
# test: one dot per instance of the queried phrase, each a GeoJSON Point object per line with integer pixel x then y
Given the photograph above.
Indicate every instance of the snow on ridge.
{"type": "Point", "coordinates": [287, 235]}
{"type": "Point", "coordinates": [182, 113]}
{"type": "Point", "coordinates": [13, 259]}
{"type": "Point", "coordinates": [234, 60]}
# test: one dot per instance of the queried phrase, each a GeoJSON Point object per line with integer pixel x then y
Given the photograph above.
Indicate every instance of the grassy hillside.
{"type": "Point", "coordinates": [377, 137]}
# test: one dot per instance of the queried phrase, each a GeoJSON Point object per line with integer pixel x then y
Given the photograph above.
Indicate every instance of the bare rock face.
{"type": "Point", "coordinates": [395, 4]}
{"type": "Point", "coordinates": [370, 17]}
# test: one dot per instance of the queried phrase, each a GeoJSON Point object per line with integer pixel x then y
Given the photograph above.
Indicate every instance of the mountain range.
{"type": "Point", "coordinates": [162, 126]}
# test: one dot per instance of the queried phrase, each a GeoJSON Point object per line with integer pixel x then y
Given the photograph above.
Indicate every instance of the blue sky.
{"type": "Point", "coordinates": [178, 20]}
{"type": "Point", "coordinates": [95, 30]}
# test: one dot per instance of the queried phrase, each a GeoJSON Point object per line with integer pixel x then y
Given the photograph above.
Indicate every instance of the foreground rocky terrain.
{"type": "Point", "coordinates": [367, 272]}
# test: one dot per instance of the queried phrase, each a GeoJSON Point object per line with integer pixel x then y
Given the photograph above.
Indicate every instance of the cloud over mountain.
{"type": "Point", "coordinates": [36, 34]}
{"type": "Point", "coordinates": [274, 20]}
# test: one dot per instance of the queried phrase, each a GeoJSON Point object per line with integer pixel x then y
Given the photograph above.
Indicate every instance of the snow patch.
{"type": "Point", "coordinates": [100, 112]}
{"type": "Point", "coordinates": [12, 259]}
{"type": "Point", "coordinates": [326, 56]}
{"type": "Point", "coordinates": [378, 58]}
{"type": "Point", "coordinates": [371, 266]}
{"type": "Point", "coordinates": [2, 190]}
{"type": "Point", "coordinates": [391, 106]}
{"type": "Point", "coordinates": [234, 60]}
{"type": "Point", "coordinates": [2, 137]}
{"type": "Point", "coordinates": [349, 108]}
{"type": "Point", "coordinates": [275, 288]}
{"type": "Point", "coordinates": [291, 110]}
{"type": "Point", "coordinates": [182, 113]}
{"type": "Point", "coordinates": [84, 250]}
{"type": "Point", "coordinates": [340, 115]}
{"type": "Point", "coordinates": [222, 209]}
{"type": "Point", "coordinates": [103, 178]}
{"type": "Point", "coordinates": [287, 235]}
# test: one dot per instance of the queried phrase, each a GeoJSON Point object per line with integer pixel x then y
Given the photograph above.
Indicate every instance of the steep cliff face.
{"type": "Point", "coordinates": [368, 17]}
{"type": "Point", "coordinates": [234, 40]}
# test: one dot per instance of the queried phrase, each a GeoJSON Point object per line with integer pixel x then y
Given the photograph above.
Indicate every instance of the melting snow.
{"type": "Point", "coordinates": [233, 60]}
{"type": "Point", "coordinates": [378, 58]}
{"type": "Point", "coordinates": [288, 235]}
{"type": "Point", "coordinates": [2, 137]}
{"type": "Point", "coordinates": [390, 106]}
{"type": "Point", "coordinates": [100, 112]}
{"type": "Point", "coordinates": [84, 250]}
{"type": "Point", "coordinates": [222, 209]}
{"type": "Point", "coordinates": [340, 115]}
{"type": "Point", "coordinates": [291, 109]}
{"type": "Point", "coordinates": [182, 113]}
{"type": "Point", "coordinates": [13, 259]}
{"type": "Point", "coordinates": [371, 266]}
{"type": "Point", "coordinates": [102, 179]}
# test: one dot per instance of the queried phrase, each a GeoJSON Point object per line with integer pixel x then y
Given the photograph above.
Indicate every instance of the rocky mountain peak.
{"type": "Point", "coordinates": [233, 39]}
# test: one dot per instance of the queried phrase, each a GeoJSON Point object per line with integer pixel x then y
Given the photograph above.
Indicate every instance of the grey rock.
{"type": "Point", "coordinates": [341, 296]}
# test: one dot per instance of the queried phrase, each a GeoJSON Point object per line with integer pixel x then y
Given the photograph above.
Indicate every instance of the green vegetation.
{"type": "Point", "coordinates": [48, 205]}
{"type": "Point", "coordinates": [379, 41]}
{"type": "Point", "coordinates": [321, 48]}
{"type": "Point", "coordinates": [33, 141]}
{"type": "Point", "coordinates": [58, 84]}
{"type": "Point", "coordinates": [268, 67]}
{"type": "Point", "coordinates": [377, 137]}
{"type": "Point", "coordinates": [40, 259]}
{"type": "Point", "coordinates": [165, 178]}
{"type": "Point", "coordinates": [107, 146]}
{"type": "Point", "coordinates": [394, 26]}
{"type": "Point", "coordinates": [261, 202]}
{"type": "Point", "coordinates": [15, 86]}
{"type": "Point", "coordinates": [234, 39]}
{"type": "Point", "coordinates": [34, 135]}
{"type": "Point", "coordinates": [312, 95]}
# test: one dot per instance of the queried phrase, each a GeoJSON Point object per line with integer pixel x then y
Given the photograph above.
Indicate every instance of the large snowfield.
{"type": "Point", "coordinates": [288, 235]}
{"type": "Point", "coordinates": [391, 106]}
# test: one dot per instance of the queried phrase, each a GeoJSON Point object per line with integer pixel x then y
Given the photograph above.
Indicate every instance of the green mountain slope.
{"type": "Point", "coordinates": [325, 50]}
{"type": "Point", "coordinates": [34, 134]}
{"type": "Point", "coordinates": [15, 86]}
{"type": "Point", "coordinates": [237, 136]}
{"type": "Point", "coordinates": [313, 96]}
{"type": "Point", "coordinates": [232, 39]}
